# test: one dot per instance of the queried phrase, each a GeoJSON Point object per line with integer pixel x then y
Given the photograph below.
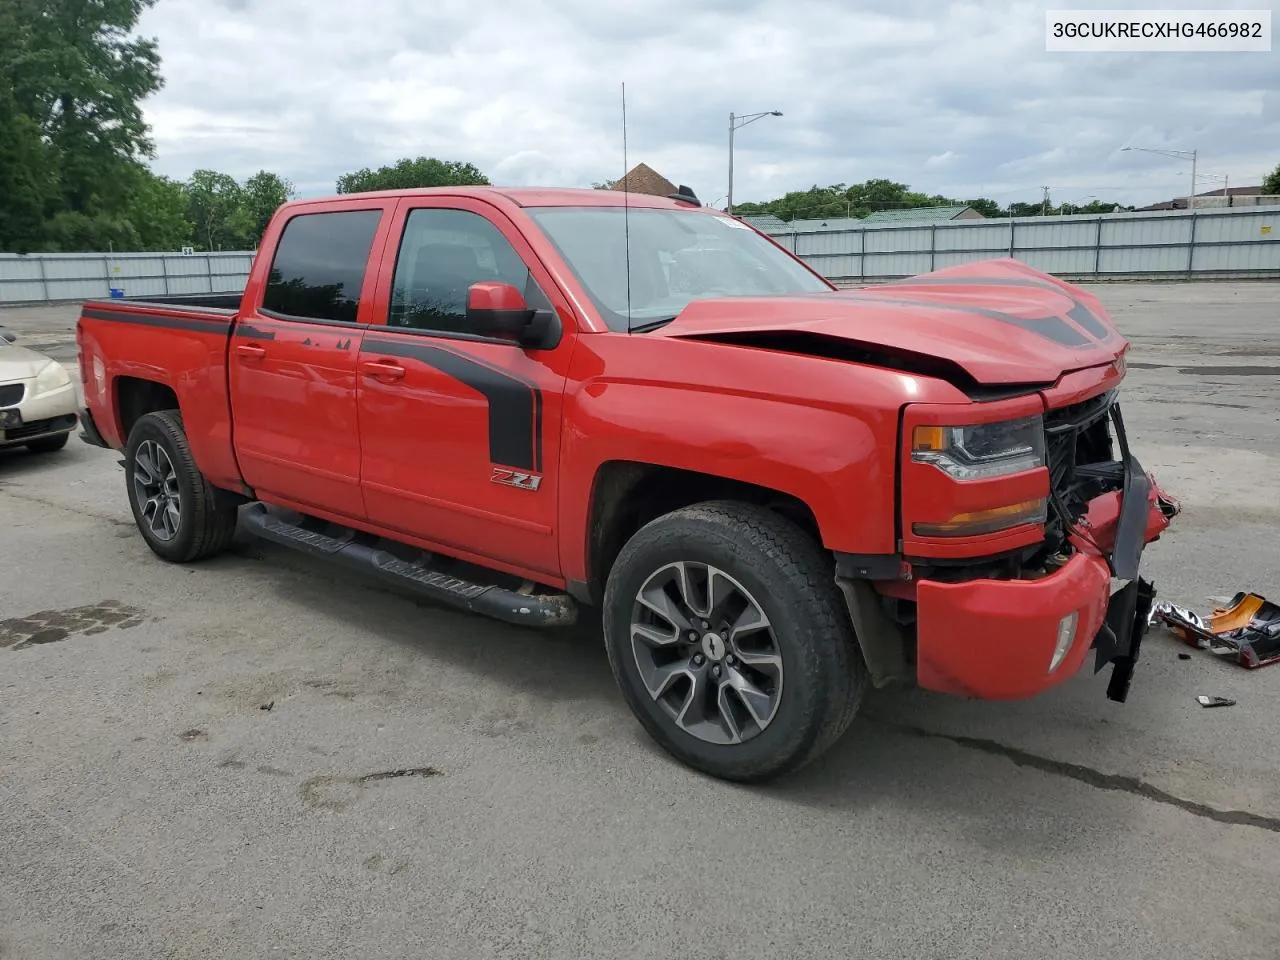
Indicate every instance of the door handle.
{"type": "Point", "coordinates": [250, 351]}
{"type": "Point", "coordinates": [382, 369]}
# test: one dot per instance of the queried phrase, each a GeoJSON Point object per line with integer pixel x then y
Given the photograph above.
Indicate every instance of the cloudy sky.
{"type": "Point", "coordinates": [955, 98]}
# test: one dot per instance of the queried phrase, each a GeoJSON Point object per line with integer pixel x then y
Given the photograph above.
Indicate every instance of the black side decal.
{"type": "Point", "coordinates": [196, 322]}
{"type": "Point", "coordinates": [250, 332]}
{"type": "Point", "coordinates": [515, 404]}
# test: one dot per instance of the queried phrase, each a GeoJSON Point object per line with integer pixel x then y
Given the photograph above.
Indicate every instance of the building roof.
{"type": "Point", "coordinates": [916, 214]}
{"type": "Point", "coordinates": [1180, 203]}
{"type": "Point", "coordinates": [765, 222]}
{"type": "Point", "coordinates": [642, 178]}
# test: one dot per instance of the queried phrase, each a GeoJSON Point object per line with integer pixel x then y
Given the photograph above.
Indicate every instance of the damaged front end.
{"type": "Point", "coordinates": [1011, 622]}
{"type": "Point", "coordinates": [1108, 506]}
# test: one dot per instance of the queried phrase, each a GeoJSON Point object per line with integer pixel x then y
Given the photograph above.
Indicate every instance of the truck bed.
{"type": "Point", "coordinates": [201, 302]}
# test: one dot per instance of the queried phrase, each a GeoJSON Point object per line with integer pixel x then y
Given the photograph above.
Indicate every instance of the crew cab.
{"type": "Point", "coordinates": [530, 402]}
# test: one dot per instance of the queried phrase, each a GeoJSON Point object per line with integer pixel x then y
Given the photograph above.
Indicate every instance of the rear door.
{"type": "Point", "coordinates": [293, 358]}
{"type": "Point", "coordinates": [461, 434]}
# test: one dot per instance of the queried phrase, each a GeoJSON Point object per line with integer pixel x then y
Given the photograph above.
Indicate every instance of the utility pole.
{"type": "Point", "coordinates": [735, 122]}
{"type": "Point", "coordinates": [1044, 206]}
{"type": "Point", "coordinates": [729, 200]}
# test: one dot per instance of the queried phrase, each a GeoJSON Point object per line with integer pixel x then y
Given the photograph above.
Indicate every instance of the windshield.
{"type": "Point", "coordinates": [677, 256]}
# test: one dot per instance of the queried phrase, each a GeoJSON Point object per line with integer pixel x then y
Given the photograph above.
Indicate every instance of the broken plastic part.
{"type": "Point", "coordinates": [1247, 626]}
{"type": "Point", "coordinates": [1214, 701]}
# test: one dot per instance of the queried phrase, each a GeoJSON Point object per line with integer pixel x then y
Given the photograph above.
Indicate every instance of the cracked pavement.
{"type": "Point", "coordinates": [261, 756]}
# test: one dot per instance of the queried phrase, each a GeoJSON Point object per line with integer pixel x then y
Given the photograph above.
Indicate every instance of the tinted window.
{"type": "Point", "coordinates": [677, 256]}
{"type": "Point", "coordinates": [319, 265]}
{"type": "Point", "coordinates": [441, 254]}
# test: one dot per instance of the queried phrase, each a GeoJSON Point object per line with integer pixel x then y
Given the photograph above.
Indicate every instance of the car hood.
{"type": "Point", "coordinates": [19, 363]}
{"type": "Point", "coordinates": [998, 321]}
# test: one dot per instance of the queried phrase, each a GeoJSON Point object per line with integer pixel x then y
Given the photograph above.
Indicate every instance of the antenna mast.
{"type": "Point", "coordinates": [626, 202]}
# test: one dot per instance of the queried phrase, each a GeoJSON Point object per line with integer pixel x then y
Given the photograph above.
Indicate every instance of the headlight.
{"type": "Point", "coordinates": [982, 451]}
{"type": "Point", "coordinates": [51, 378]}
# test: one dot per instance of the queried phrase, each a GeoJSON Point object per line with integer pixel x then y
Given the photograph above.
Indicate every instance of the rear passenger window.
{"type": "Point", "coordinates": [320, 264]}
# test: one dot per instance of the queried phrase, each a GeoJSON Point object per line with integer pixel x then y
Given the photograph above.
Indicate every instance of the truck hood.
{"type": "Point", "coordinates": [996, 322]}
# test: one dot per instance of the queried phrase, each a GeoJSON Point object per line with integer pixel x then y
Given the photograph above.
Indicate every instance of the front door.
{"type": "Point", "coordinates": [292, 363]}
{"type": "Point", "coordinates": [461, 434]}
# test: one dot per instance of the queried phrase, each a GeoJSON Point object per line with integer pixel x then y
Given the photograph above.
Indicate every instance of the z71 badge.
{"type": "Point", "coordinates": [514, 478]}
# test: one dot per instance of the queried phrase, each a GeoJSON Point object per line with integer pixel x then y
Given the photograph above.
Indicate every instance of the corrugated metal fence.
{"type": "Point", "coordinates": [1201, 244]}
{"type": "Point", "coordinates": [84, 276]}
{"type": "Point", "coordinates": [1222, 243]}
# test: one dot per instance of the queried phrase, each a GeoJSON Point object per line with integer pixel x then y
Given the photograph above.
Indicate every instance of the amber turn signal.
{"type": "Point", "coordinates": [991, 520]}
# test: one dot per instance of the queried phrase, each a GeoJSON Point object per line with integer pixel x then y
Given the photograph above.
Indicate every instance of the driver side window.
{"type": "Point", "coordinates": [442, 253]}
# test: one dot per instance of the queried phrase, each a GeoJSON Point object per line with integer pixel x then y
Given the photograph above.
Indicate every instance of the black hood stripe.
{"type": "Point", "coordinates": [1079, 312]}
{"type": "Point", "coordinates": [515, 404]}
{"type": "Point", "coordinates": [1051, 327]}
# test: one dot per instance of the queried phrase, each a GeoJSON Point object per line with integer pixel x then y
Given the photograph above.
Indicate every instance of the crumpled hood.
{"type": "Point", "coordinates": [1001, 321]}
{"type": "Point", "coordinates": [19, 363]}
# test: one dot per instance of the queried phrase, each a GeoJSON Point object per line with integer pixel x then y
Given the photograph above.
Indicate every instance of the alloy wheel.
{"type": "Point", "coordinates": [706, 652]}
{"type": "Point", "coordinates": [155, 485]}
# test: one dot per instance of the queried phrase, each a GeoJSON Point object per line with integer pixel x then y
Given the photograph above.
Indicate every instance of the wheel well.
{"type": "Point", "coordinates": [627, 495]}
{"type": "Point", "coordinates": [135, 398]}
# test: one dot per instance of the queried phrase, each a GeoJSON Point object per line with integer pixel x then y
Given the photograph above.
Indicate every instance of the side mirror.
{"type": "Point", "coordinates": [499, 310]}
{"type": "Point", "coordinates": [8, 336]}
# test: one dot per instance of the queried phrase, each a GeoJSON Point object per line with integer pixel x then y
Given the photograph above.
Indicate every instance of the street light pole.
{"type": "Point", "coordinates": [1177, 155]}
{"type": "Point", "coordinates": [735, 122]}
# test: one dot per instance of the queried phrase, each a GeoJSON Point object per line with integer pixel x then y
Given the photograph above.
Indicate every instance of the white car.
{"type": "Point", "coordinates": [38, 401]}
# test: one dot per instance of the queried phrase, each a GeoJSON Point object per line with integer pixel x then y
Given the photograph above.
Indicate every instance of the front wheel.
{"type": "Point", "coordinates": [179, 513]}
{"type": "Point", "coordinates": [731, 642]}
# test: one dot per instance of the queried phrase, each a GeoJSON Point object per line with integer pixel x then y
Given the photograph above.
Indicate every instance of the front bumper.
{"type": "Point", "coordinates": [996, 639]}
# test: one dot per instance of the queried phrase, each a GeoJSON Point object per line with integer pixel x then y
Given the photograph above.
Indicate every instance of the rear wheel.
{"type": "Point", "coordinates": [180, 515]}
{"type": "Point", "coordinates": [48, 444]}
{"type": "Point", "coordinates": [731, 642]}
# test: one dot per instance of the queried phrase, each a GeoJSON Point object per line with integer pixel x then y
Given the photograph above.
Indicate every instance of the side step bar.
{"type": "Point", "coordinates": [548, 610]}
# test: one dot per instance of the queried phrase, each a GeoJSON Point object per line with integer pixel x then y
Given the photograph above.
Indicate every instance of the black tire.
{"type": "Point", "coordinates": [48, 444]}
{"type": "Point", "coordinates": [792, 579]}
{"type": "Point", "coordinates": [207, 514]}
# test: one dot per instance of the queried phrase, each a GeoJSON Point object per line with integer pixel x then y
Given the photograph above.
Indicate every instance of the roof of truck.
{"type": "Point", "coordinates": [522, 196]}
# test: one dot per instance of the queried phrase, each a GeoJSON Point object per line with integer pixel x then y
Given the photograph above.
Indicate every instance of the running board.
{"type": "Point", "coordinates": [548, 610]}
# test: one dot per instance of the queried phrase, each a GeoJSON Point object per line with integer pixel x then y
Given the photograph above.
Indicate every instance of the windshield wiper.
{"type": "Point", "coordinates": [651, 325]}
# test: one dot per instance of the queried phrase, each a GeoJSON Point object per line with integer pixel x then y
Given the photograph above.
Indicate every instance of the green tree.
{"type": "Point", "coordinates": [25, 184]}
{"type": "Point", "coordinates": [988, 208]}
{"type": "Point", "coordinates": [407, 174]}
{"type": "Point", "coordinates": [83, 79]}
{"type": "Point", "coordinates": [159, 209]}
{"type": "Point", "coordinates": [218, 211]}
{"type": "Point", "coordinates": [1272, 183]}
{"type": "Point", "coordinates": [72, 133]}
{"type": "Point", "coordinates": [264, 193]}
{"type": "Point", "coordinates": [71, 230]}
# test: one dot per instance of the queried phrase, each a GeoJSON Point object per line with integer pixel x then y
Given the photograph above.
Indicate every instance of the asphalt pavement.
{"type": "Point", "coordinates": [262, 756]}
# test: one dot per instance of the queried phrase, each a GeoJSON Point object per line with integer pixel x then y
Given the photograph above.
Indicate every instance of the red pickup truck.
{"type": "Point", "coordinates": [527, 401]}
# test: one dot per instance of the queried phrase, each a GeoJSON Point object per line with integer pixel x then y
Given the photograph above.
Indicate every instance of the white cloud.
{"type": "Point", "coordinates": [954, 98]}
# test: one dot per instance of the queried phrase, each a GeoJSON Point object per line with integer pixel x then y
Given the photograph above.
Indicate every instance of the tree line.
{"type": "Point", "coordinates": [74, 151]}
{"type": "Point", "coordinates": [863, 199]}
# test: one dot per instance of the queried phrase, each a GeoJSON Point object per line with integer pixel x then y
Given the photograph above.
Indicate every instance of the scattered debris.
{"type": "Point", "coordinates": [401, 772]}
{"type": "Point", "coordinates": [192, 734]}
{"type": "Point", "coordinates": [268, 705]}
{"type": "Point", "coordinates": [1215, 701]}
{"type": "Point", "coordinates": [1246, 627]}
{"type": "Point", "coordinates": [1184, 656]}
